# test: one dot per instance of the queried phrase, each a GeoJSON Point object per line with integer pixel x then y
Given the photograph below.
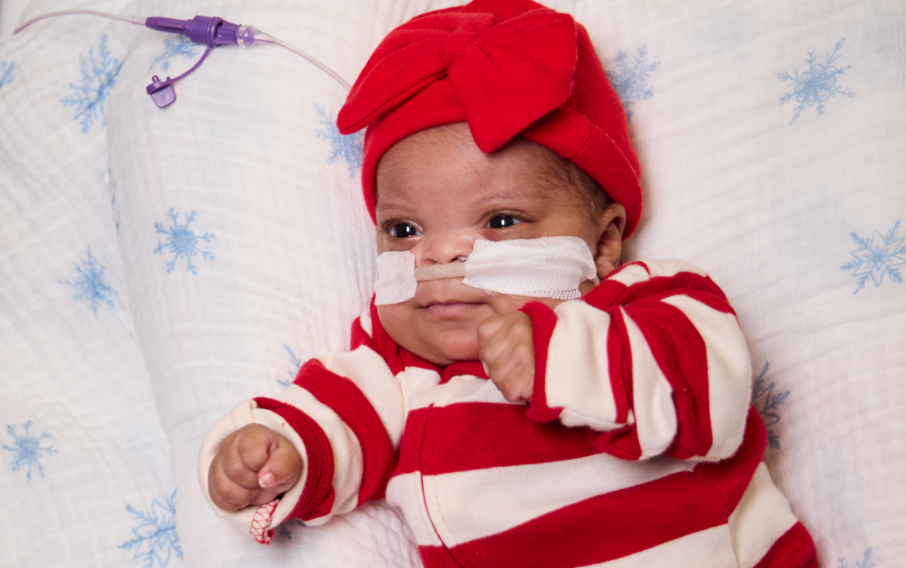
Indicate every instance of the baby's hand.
{"type": "Point", "coordinates": [505, 348]}
{"type": "Point", "coordinates": [252, 467]}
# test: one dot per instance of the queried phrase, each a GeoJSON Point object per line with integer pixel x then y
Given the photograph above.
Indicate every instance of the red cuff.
{"type": "Point", "coordinates": [544, 320]}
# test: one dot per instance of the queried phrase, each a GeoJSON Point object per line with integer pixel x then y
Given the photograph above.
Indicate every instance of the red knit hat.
{"type": "Point", "coordinates": [505, 67]}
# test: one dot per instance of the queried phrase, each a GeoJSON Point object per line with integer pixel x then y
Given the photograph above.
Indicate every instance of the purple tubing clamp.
{"type": "Point", "coordinates": [212, 31]}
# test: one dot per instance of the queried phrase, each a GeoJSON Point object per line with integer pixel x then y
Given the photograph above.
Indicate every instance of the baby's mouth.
{"type": "Point", "coordinates": [451, 309]}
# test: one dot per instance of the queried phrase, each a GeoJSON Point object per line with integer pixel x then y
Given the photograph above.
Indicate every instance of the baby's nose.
{"type": "Point", "coordinates": [444, 248]}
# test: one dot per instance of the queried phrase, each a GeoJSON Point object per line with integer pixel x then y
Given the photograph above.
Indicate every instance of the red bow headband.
{"type": "Point", "coordinates": [505, 67]}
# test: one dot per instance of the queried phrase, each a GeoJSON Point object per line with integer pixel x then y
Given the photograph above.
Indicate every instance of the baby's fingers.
{"type": "Point", "coordinates": [282, 469]}
{"type": "Point", "coordinates": [225, 492]}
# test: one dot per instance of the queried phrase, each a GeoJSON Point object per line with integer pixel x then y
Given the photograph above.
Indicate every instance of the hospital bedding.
{"type": "Point", "coordinates": [157, 266]}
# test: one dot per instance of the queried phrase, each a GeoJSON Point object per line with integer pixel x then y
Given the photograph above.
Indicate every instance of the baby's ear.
{"type": "Point", "coordinates": [610, 243]}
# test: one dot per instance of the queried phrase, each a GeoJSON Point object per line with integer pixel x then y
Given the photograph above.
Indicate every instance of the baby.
{"type": "Point", "coordinates": [612, 429]}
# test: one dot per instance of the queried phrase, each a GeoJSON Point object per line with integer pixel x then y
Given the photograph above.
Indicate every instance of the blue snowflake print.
{"type": "Point", "coordinates": [766, 401]}
{"type": "Point", "coordinates": [87, 97]}
{"type": "Point", "coordinates": [629, 78]}
{"type": "Point", "coordinates": [155, 539]}
{"type": "Point", "coordinates": [114, 210]}
{"type": "Point", "coordinates": [28, 450]}
{"type": "Point", "coordinates": [350, 148]}
{"type": "Point", "coordinates": [179, 46]}
{"type": "Point", "coordinates": [295, 364]}
{"type": "Point", "coordinates": [877, 258]}
{"type": "Point", "coordinates": [284, 528]}
{"type": "Point", "coordinates": [6, 73]}
{"type": "Point", "coordinates": [90, 285]}
{"type": "Point", "coordinates": [814, 87]}
{"type": "Point", "coordinates": [182, 242]}
{"type": "Point", "coordinates": [866, 562]}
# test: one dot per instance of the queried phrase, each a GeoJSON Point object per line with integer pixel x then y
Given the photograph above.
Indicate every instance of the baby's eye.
{"type": "Point", "coordinates": [403, 231]}
{"type": "Point", "coordinates": [502, 222]}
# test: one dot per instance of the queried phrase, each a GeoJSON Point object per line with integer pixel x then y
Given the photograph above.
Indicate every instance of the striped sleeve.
{"type": "Point", "coordinates": [652, 362]}
{"type": "Point", "coordinates": [344, 414]}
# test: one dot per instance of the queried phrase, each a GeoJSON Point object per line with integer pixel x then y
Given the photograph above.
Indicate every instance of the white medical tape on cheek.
{"type": "Point", "coordinates": [395, 278]}
{"type": "Point", "coordinates": [548, 267]}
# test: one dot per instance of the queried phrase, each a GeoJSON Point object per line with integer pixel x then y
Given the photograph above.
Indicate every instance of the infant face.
{"type": "Point", "coordinates": [437, 194]}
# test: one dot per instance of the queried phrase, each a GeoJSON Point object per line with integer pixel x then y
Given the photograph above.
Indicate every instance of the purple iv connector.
{"type": "Point", "coordinates": [212, 31]}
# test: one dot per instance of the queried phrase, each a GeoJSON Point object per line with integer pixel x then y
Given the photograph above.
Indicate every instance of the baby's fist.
{"type": "Point", "coordinates": [506, 349]}
{"type": "Point", "coordinates": [252, 467]}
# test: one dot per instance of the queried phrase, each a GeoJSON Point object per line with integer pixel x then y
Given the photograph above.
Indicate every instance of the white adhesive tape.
{"type": "Point", "coordinates": [548, 267]}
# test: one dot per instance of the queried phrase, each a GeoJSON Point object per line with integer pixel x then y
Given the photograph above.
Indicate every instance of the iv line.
{"type": "Point", "coordinates": [213, 31]}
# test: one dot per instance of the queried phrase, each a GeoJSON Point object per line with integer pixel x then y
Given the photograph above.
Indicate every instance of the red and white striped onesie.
{"type": "Point", "coordinates": [639, 447]}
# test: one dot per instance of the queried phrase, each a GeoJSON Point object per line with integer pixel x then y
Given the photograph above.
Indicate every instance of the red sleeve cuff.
{"type": "Point", "coordinates": [544, 320]}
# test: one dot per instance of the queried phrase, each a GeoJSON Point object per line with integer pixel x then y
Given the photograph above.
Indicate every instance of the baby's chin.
{"type": "Point", "coordinates": [447, 347]}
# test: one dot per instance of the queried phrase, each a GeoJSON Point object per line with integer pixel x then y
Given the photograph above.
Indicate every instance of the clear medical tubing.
{"type": "Point", "coordinates": [246, 36]}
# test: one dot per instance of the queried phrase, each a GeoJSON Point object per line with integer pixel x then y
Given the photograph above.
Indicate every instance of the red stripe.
{"type": "Point", "coordinates": [603, 528]}
{"type": "Point", "coordinates": [604, 297]}
{"type": "Point", "coordinates": [731, 477]}
{"type": "Point", "coordinates": [318, 495]}
{"type": "Point", "coordinates": [359, 337]}
{"type": "Point", "coordinates": [468, 436]}
{"type": "Point", "coordinates": [544, 320]}
{"type": "Point", "coordinates": [437, 557]}
{"type": "Point", "coordinates": [344, 397]}
{"type": "Point", "coordinates": [794, 549]}
{"type": "Point", "coordinates": [682, 357]}
{"type": "Point", "coordinates": [411, 441]}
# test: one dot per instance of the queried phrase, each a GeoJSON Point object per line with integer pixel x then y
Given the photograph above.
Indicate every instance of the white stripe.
{"type": "Point", "coordinates": [473, 504]}
{"type": "Point", "coordinates": [373, 377]}
{"type": "Point", "coordinates": [577, 374]}
{"type": "Point", "coordinates": [405, 492]}
{"type": "Point", "coordinates": [469, 388]}
{"type": "Point", "coordinates": [761, 517]}
{"type": "Point", "coordinates": [729, 373]}
{"type": "Point", "coordinates": [631, 274]}
{"type": "Point", "coordinates": [347, 453]}
{"type": "Point", "coordinates": [672, 268]}
{"type": "Point", "coordinates": [419, 387]}
{"type": "Point", "coordinates": [710, 548]}
{"type": "Point", "coordinates": [652, 395]}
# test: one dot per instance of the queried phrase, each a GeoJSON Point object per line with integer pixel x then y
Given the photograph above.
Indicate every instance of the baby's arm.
{"type": "Point", "coordinates": [652, 362]}
{"type": "Point", "coordinates": [253, 466]}
{"type": "Point", "coordinates": [337, 427]}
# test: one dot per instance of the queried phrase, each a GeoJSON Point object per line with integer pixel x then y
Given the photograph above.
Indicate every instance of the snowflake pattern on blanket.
{"type": "Point", "coordinates": [28, 449]}
{"type": "Point", "coordinates": [89, 95]}
{"type": "Point", "coordinates": [866, 562]}
{"type": "Point", "coordinates": [156, 541]}
{"type": "Point", "coordinates": [876, 258]}
{"type": "Point", "coordinates": [294, 365]}
{"type": "Point", "coordinates": [766, 402]}
{"type": "Point", "coordinates": [814, 87]}
{"type": "Point", "coordinates": [629, 78]}
{"type": "Point", "coordinates": [6, 73]}
{"type": "Point", "coordinates": [182, 241]}
{"type": "Point", "coordinates": [350, 149]}
{"type": "Point", "coordinates": [90, 285]}
{"type": "Point", "coordinates": [284, 527]}
{"type": "Point", "coordinates": [180, 46]}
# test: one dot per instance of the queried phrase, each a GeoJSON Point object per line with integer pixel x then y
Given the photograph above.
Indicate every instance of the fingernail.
{"type": "Point", "coordinates": [485, 367]}
{"type": "Point", "coordinates": [266, 479]}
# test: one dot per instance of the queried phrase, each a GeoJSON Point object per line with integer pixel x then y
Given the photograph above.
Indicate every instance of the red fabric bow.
{"type": "Point", "coordinates": [504, 77]}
